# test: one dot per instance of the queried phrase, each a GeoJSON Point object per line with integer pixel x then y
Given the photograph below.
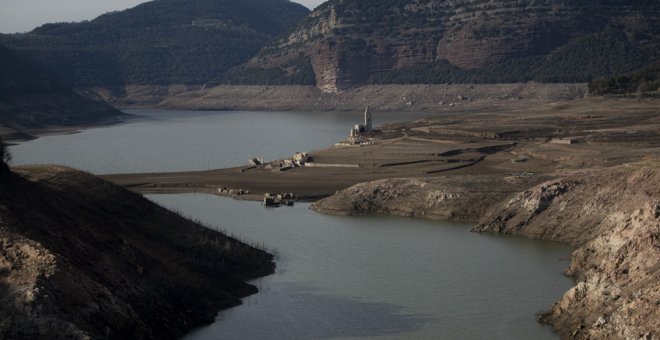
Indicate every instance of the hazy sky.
{"type": "Point", "coordinates": [24, 15]}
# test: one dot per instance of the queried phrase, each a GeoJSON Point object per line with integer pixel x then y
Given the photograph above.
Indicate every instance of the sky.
{"type": "Point", "coordinates": [24, 15]}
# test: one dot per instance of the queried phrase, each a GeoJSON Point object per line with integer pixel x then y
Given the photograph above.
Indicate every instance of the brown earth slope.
{"type": "Point", "coordinates": [397, 98]}
{"type": "Point", "coordinates": [81, 258]}
{"type": "Point", "coordinates": [613, 215]}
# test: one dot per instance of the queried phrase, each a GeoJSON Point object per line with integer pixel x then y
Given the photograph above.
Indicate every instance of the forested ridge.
{"type": "Point", "coordinates": [157, 42]}
{"type": "Point", "coordinates": [31, 96]}
{"type": "Point", "coordinates": [348, 43]}
{"type": "Point", "coordinates": [18, 76]}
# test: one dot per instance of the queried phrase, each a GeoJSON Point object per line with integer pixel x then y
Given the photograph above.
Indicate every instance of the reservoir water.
{"type": "Point", "coordinates": [337, 277]}
{"type": "Point", "coordinates": [164, 141]}
{"type": "Point", "coordinates": [381, 277]}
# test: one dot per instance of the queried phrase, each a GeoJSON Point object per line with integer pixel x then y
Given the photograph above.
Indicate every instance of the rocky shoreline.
{"type": "Point", "coordinates": [611, 215]}
{"type": "Point", "coordinates": [439, 98]}
{"type": "Point", "coordinates": [597, 197]}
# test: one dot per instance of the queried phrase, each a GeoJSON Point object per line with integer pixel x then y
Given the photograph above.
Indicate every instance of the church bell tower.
{"type": "Point", "coordinates": [367, 120]}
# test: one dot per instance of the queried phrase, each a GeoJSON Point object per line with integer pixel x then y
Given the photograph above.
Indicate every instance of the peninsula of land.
{"type": "Point", "coordinates": [584, 172]}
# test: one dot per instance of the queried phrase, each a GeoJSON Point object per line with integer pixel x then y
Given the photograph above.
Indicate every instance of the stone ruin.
{"type": "Point", "coordinates": [277, 200]}
{"type": "Point", "coordinates": [297, 160]}
{"type": "Point", "coordinates": [234, 192]}
{"type": "Point", "coordinates": [255, 161]}
{"type": "Point", "coordinates": [360, 132]}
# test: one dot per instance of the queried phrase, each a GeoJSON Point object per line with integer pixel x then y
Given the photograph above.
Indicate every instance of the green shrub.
{"type": "Point", "coordinates": [644, 80]}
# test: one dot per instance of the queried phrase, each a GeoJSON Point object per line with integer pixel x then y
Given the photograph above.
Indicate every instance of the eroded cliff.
{"type": "Point", "coordinates": [348, 43]}
{"type": "Point", "coordinates": [613, 216]}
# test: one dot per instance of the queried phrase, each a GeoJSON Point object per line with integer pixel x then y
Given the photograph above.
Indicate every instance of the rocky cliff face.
{"type": "Point", "coordinates": [614, 218]}
{"type": "Point", "coordinates": [81, 258]}
{"type": "Point", "coordinates": [617, 294]}
{"type": "Point", "coordinates": [349, 43]}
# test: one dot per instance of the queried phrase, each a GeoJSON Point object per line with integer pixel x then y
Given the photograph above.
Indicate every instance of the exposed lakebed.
{"type": "Point", "coordinates": [337, 277]}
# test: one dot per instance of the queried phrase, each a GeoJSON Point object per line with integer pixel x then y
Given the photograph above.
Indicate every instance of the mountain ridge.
{"type": "Point", "coordinates": [348, 43]}
{"type": "Point", "coordinates": [157, 42]}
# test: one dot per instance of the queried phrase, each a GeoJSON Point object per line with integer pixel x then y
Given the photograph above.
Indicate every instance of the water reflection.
{"type": "Point", "coordinates": [163, 141]}
{"type": "Point", "coordinates": [309, 313]}
{"type": "Point", "coordinates": [382, 277]}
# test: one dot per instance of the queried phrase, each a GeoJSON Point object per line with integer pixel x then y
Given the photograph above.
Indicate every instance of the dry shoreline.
{"type": "Point", "coordinates": [439, 99]}
{"type": "Point", "coordinates": [398, 98]}
{"type": "Point", "coordinates": [503, 141]}
{"type": "Point", "coordinates": [611, 215]}
{"type": "Point", "coordinates": [538, 164]}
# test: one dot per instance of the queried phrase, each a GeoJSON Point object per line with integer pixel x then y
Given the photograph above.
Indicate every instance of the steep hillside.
{"type": "Point", "coordinates": [347, 43]}
{"type": "Point", "coordinates": [32, 97]}
{"type": "Point", "coordinates": [81, 258]}
{"type": "Point", "coordinates": [614, 218]}
{"type": "Point", "coordinates": [19, 76]}
{"type": "Point", "coordinates": [158, 42]}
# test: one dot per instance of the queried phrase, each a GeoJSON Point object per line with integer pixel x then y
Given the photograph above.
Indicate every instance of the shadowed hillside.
{"type": "Point", "coordinates": [158, 42]}
{"type": "Point", "coordinates": [32, 97]}
{"type": "Point", "coordinates": [81, 258]}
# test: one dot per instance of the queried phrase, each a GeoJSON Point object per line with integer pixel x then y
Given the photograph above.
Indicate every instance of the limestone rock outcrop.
{"type": "Point", "coordinates": [613, 216]}
{"type": "Point", "coordinates": [441, 198]}
{"type": "Point", "coordinates": [348, 42]}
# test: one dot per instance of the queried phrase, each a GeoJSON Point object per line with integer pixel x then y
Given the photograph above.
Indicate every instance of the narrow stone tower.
{"type": "Point", "coordinates": [367, 120]}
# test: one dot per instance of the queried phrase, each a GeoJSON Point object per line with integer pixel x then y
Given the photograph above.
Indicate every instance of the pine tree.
{"type": "Point", "coordinates": [5, 156]}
